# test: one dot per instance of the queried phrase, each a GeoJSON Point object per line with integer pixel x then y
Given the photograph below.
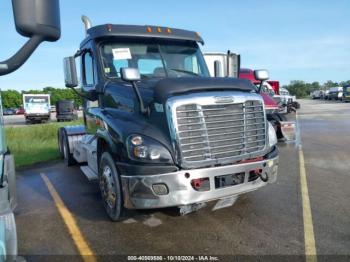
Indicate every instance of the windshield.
{"type": "Point", "coordinates": [265, 89]}
{"type": "Point", "coordinates": [36, 100]}
{"type": "Point", "coordinates": [154, 60]}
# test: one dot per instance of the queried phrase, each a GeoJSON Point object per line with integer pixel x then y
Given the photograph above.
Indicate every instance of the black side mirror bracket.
{"type": "Point", "coordinates": [132, 75]}
{"type": "Point", "coordinates": [18, 59]}
{"type": "Point", "coordinates": [38, 20]}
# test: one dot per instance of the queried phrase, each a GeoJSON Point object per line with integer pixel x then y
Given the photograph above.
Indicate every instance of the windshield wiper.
{"type": "Point", "coordinates": [184, 71]}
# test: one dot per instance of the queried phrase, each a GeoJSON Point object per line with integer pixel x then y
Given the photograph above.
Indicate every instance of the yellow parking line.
{"type": "Point", "coordinates": [309, 236]}
{"type": "Point", "coordinates": [69, 220]}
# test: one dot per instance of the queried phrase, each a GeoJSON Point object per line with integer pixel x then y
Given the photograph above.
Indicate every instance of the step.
{"type": "Point", "coordinates": [89, 173]}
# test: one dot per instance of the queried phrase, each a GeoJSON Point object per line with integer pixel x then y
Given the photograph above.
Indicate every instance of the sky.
{"type": "Point", "coordinates": [294, 40]}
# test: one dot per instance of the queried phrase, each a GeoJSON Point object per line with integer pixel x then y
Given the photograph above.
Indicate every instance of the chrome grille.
{"type": "Point", "coordinates": [219, 131]}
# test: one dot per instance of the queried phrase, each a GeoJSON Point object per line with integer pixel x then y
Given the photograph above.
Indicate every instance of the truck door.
{"type": "Point", "coordinates": [88, 83]}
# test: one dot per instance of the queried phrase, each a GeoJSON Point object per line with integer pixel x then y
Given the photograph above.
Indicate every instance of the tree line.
{"type": "Point", "coordinates": [13, 98]}
{"type": "Point", "coordinates": [301, 89]}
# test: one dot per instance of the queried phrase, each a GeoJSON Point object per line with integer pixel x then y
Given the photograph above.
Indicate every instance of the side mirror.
{"type": "Point", "coordinates": [261, 74]}
{"type": "Point", "coordinates": [130, 74]}
{"type": "Point", "coordinates": [217, 68]}
{"type": "Point", "coordinates": [37, 19]}
{"type": "Point", "coordinates": [70, 72]}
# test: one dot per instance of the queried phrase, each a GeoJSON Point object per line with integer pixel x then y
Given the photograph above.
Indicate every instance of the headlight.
{"type": "Point", "coordinates": [146, 149]}
{"type": "Point", "coordinates": [272, 136]}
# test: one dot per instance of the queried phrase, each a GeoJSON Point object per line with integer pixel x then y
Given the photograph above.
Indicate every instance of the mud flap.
{"type": "Point", "coordinates": [288, 129]}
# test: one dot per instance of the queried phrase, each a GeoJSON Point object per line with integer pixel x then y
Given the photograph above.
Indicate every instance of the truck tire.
{"type": "Point", "coordinates": [111, 189]}
{"type": "Point", "coordinates": [68, 157]}
{"type": "Point", "coordinates": [281, 117]}
{"type": "Point", "coordinates": [275, 120]}
{"type": "Point", "coordinates": [60, 145]}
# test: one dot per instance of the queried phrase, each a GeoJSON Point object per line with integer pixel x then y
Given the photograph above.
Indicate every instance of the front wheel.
{"type": "Point", "coordinates": [67, 155]}
{"type": "Point", "coordinates": [110, 187]}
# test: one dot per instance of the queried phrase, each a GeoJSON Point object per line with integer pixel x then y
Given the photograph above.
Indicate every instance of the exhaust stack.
{"type": "Point", "coordinates": [87, 23]}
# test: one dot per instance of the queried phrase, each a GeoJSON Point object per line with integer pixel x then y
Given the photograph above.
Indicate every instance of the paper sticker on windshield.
{"type": "Point", "coordinates": [121, 53]}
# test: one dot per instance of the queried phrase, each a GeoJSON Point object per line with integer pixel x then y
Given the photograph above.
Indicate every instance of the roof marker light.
{"type": "Point", "coordinates": [168, 30]}
{"type": "Point", "coordinates": [159, 30]}
{"type": "Point", "coordinates": [149, 29]}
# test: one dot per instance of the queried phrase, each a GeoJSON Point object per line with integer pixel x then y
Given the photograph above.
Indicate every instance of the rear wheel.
{"type": "Point", "coordinates": [110, 187]}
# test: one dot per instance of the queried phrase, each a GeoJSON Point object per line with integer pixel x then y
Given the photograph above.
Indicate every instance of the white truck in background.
{"type": "Point", "coordinates": [36, 107]}
{"type": "Point", "coordinates": [223, 64]}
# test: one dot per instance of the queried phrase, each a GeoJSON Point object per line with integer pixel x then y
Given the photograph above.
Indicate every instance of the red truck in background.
{"type": "Point", "coordinates": [281, 96]}
{"type": "Point", "coordinates": [228, 65]}
{"type": "Point", "coordinates": [270, 105]}
{"type": "Point", "coordinates": [275, 86]}
{"type": "Point", "coordinates": [268, 89]}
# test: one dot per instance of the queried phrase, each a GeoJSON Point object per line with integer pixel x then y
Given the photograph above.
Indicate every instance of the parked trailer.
{"type": "Point", "coordinates": [163, 133]}
{"type": "Point", "coordinates": [335, 93]}
{"type": "Point", "coordinates": [220, 63]}
{"type": "Point", "coordinates": [346, 94]}
{"type": "Point", "coordinates": [65, 111]}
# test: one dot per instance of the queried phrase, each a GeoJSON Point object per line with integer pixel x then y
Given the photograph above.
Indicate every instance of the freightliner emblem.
{"type": "Point", "coordinates": [224, 99]}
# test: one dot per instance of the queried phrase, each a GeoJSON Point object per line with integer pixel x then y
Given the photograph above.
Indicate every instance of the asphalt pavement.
{"type": "Point", "coordinates": [268, 222]}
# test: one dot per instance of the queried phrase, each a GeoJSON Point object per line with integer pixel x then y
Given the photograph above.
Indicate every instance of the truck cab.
{"type": "Point", "coordinates": [346, 94]}
{"type": "Point", "coordinates": [159, 131]}
{"type": "Point", "coordinates": [36, 107]}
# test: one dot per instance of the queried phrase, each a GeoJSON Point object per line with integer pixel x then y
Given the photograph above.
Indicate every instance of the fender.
{"type": "Point", "coordinates": [105, 142]}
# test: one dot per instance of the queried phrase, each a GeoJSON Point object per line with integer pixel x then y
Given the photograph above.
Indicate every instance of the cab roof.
{"type": "Point", "coordinates": [110, 30]}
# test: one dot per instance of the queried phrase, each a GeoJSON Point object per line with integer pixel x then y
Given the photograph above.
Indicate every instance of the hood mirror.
{"type": "Point", "coordinates": [261, 74]}
{"type": "Point", "coordinates": [130, 74]}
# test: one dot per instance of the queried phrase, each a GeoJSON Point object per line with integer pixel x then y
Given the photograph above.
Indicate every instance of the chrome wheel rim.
{"type": "Point", "coordinates": [107, 187]}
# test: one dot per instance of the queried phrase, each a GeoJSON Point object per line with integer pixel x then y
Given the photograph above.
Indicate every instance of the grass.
{"type": "Point", "coordinates": [35, 143]}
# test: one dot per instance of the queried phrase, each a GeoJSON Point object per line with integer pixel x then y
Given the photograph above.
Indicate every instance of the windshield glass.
{"type": "Point", "coordinates": [265, 89]}
{"type": "Point", "coordinates": [154, 60]}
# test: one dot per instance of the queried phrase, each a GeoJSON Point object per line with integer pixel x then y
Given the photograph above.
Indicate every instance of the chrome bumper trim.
{"type": "Point", "coordinates": [138, 192]}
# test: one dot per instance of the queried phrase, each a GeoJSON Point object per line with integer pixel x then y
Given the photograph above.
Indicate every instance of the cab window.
{"type": "Point", "coordinates": [88, 72]}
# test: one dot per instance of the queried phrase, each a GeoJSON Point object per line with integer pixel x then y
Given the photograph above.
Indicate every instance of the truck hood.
{"type": "Point", "coordinates": [169, 87]}
{"type": "Point", "coordinates": [269, 102]}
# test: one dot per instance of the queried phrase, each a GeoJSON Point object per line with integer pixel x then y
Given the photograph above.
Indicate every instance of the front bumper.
{"type": "Point", "coordinates": [37, 116]}
{"type": "Point", "coordinates": [139, 194]}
